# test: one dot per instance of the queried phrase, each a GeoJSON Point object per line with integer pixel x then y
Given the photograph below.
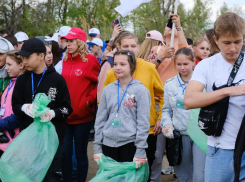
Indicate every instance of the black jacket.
{"type": "Point", "coordinates": [239, 150]}
{"type": "Point", "coordinates": [54, 86]}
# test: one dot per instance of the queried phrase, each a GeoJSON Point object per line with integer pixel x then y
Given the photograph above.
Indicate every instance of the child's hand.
{"type": "Point", "coordinates": [27, 109]}
{"type": "Point", "coordinates": [168, 131]}
{"type": "Point", "coordinates": [98, 157]}
{"type": "Point", "coordinates": [139, 161]}
{"type": "Point", "coordinates": [47, 116]}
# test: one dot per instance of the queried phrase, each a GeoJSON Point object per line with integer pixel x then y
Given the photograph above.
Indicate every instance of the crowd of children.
{"type": "Point", "coordinates": [137, 96]}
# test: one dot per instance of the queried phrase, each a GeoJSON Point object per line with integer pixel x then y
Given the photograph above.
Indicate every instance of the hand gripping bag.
{"type": "Point", "coordinates": [196, 134]}
{"type": "Point", "coordinates": [29, 156]}
{"type": "Point", "coordinates": [113, 171]}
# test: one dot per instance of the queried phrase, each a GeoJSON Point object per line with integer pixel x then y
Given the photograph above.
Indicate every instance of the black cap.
{"type": "Point", "coordinates": [31, 46]}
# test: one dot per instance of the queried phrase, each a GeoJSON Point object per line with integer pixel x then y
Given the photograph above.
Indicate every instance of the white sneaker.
{"type": "Point", "coordinates": [168, 170]}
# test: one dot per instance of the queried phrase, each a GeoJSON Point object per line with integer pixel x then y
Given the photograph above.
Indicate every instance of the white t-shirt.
{"type": "Point", "coordinates": [217, 70]}
{"type": "Point", "coordinates": [58, 67]}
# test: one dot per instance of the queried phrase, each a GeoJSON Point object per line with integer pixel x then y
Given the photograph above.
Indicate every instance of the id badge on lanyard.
{"type": "Point", "coordinates": [116, 122]}
{"type": "Point", "coordinates": [180, 104]}
{"type": "Point", "coordinates": [2, 111]}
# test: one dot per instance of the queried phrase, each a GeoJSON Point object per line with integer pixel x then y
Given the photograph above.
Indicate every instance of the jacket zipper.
{"type": "Point", "coordinates": [71, 68]}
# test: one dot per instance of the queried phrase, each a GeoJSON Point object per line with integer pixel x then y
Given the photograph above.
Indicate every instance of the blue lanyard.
{"type": "Point", "coordinates": [9, 87]}
{"type": "Point", "coordinates": [181, 85]}
{"type": "Point", "coordinates": [32, 81]}
{"type": "Point", "coordinates": [119, 104]}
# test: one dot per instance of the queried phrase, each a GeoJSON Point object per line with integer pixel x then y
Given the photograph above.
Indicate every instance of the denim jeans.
{"type": "Point", "coordinates": [80, 133]}
{"type": "Point", "coordinates": [219, 165]}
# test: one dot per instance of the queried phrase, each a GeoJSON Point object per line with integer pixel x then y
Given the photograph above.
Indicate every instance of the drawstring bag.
{"type": "Point", "coordinates": [113, 171]}
{"type": "Point", "coordinates": [195, 133]}
{"type": "Point", "coordinates": [29, 156]}
{"type": "Point", "coordinates": [174, 149]}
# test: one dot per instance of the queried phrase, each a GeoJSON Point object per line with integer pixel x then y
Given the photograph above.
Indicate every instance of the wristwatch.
{"type": "Point", "coordinates": [158, 60]}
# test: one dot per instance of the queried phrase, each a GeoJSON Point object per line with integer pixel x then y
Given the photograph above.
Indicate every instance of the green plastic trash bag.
{"type": "Point", "coordinates": [113, 171]}
{"type": "Point", "coordinates": [196, 134]}
{"type": "Point", "coordinates": [29, 156]}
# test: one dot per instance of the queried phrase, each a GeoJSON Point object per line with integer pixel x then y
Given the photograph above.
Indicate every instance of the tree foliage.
{"type": "Point", "coordinates": [41, 17]}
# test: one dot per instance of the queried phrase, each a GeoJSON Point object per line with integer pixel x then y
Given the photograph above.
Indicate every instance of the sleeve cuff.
{"type": "Point", "coordinates": [140, 153]}
{"type": "Point", "coordinates": [97, 148]}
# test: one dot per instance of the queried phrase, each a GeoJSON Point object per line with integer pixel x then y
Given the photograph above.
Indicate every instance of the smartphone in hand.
{"type": "Point", "coordinates": [170, 24]}
{"type": "Point", "coordinates": [116, 22]}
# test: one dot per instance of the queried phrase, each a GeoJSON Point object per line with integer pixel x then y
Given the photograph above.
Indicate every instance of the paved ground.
{"type": "Point", "coordinates": [93, 167]}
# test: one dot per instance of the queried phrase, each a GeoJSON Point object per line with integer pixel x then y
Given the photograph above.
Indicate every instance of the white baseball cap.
{"type": "Point", "coordinates": [64, 31]}
{"type": "Point", "coordinates": [94, 31]}
{"type": "Point", "coordinates": [5, 46]}
{"type": "Point", "coordinates": [53, 38]}
{"type": "Point", "coordinates": [21, 36]}
{"type": "Point", "coordinates": [97, 41]}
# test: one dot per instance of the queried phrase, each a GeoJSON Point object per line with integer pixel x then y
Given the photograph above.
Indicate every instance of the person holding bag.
{"type": "Point", "coordinates": [123, 117]}
{"type": "Point", "coordinates": [175, 120]}
{"type": "Point", "coordinates": [223, 109]}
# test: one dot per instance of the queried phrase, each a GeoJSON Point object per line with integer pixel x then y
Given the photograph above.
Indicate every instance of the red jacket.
{"type": "Point", "coordinates": [197, 61]}
{"type": "Point", "coordinates": [81, 78]}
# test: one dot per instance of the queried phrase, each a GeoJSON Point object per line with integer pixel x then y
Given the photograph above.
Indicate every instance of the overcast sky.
{"type": "Point", "coordinates": [216, 5]}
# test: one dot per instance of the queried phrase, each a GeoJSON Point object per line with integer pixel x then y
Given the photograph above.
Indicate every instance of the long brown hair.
{"type": "Point", "coordinates": [213, 46]}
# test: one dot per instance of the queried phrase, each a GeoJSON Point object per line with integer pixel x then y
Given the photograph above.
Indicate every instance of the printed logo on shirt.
{"type": "Point", "coordinates": [201, 125]}
{"type": "Point", "coordinates": [64, 110]}
{"type": "Point", "coordinates": [130, 100]}
{"type": "Point", "coordinates": [78, 72]}
{"type": "Point", "coordinates": [52, 93]}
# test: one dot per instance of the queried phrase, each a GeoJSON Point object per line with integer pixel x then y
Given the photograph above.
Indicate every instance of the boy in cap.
{"type": "Point", "coordinates": [21, 38]}
{"type": "Point", "coordinates": [5, 47]}
{"type": "Point", "coordinates": [96, 48]}
{"type": "Point", "coordinates": [95, 33]}
{"type": "Point", "coordinates": [41, 79]}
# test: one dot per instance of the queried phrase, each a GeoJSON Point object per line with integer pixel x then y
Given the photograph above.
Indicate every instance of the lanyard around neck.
{"type": "Point", "coordinates": [119, 103]}
{"type": "Point", "coordinates": [32, 81]}
{"type": "Point", "coordinates": [181, 86]}
{"type": "Point", "coordinates": [9, 88]}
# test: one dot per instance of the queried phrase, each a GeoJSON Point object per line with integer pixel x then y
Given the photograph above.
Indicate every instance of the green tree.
{"type": "Point", "coordinates": [196, 20]}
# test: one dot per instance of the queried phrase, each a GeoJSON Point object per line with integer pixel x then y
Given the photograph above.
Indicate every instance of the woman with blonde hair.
{"type": "Point", "coordinates": [153, 38]}
{"type": "Point", "coordinates": [80, 70]}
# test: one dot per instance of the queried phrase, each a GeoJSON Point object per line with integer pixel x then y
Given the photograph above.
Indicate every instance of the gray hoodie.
{"type": "Point", "coordinates": [134, 114]}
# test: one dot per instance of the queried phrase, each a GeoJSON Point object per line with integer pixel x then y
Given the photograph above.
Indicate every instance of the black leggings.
{"type": "Point", "coordinates": [124, 153]}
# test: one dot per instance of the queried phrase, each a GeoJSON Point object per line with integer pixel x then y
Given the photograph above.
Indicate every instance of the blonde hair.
{"type": "Point", "coordinates": [82, 50]}
{"type": "Point", "coordinates": [17, 58]}
{"type": "Point", "coordinates": [145, 48]}
{"type": "Point", "coordinates": [200, 40]}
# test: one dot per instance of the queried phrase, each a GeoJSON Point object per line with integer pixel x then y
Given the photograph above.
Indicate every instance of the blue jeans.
{"type": "Point", "coordinates": [80, 133]}
{"type": "Point", "coordinates": [219, 165]}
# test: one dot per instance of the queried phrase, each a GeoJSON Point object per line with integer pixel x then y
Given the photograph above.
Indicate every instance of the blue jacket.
{"type": "Point", "coordinates": [9, 123]}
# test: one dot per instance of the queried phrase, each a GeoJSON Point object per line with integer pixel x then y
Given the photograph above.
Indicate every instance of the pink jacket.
{"type": "Point", "coordinates": [8, 112]}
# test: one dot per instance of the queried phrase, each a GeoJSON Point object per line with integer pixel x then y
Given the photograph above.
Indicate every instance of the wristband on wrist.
{"type": "Point", "coordinates": [179, 28]}
{"type": "Point", "coordinates": [158, 60]}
